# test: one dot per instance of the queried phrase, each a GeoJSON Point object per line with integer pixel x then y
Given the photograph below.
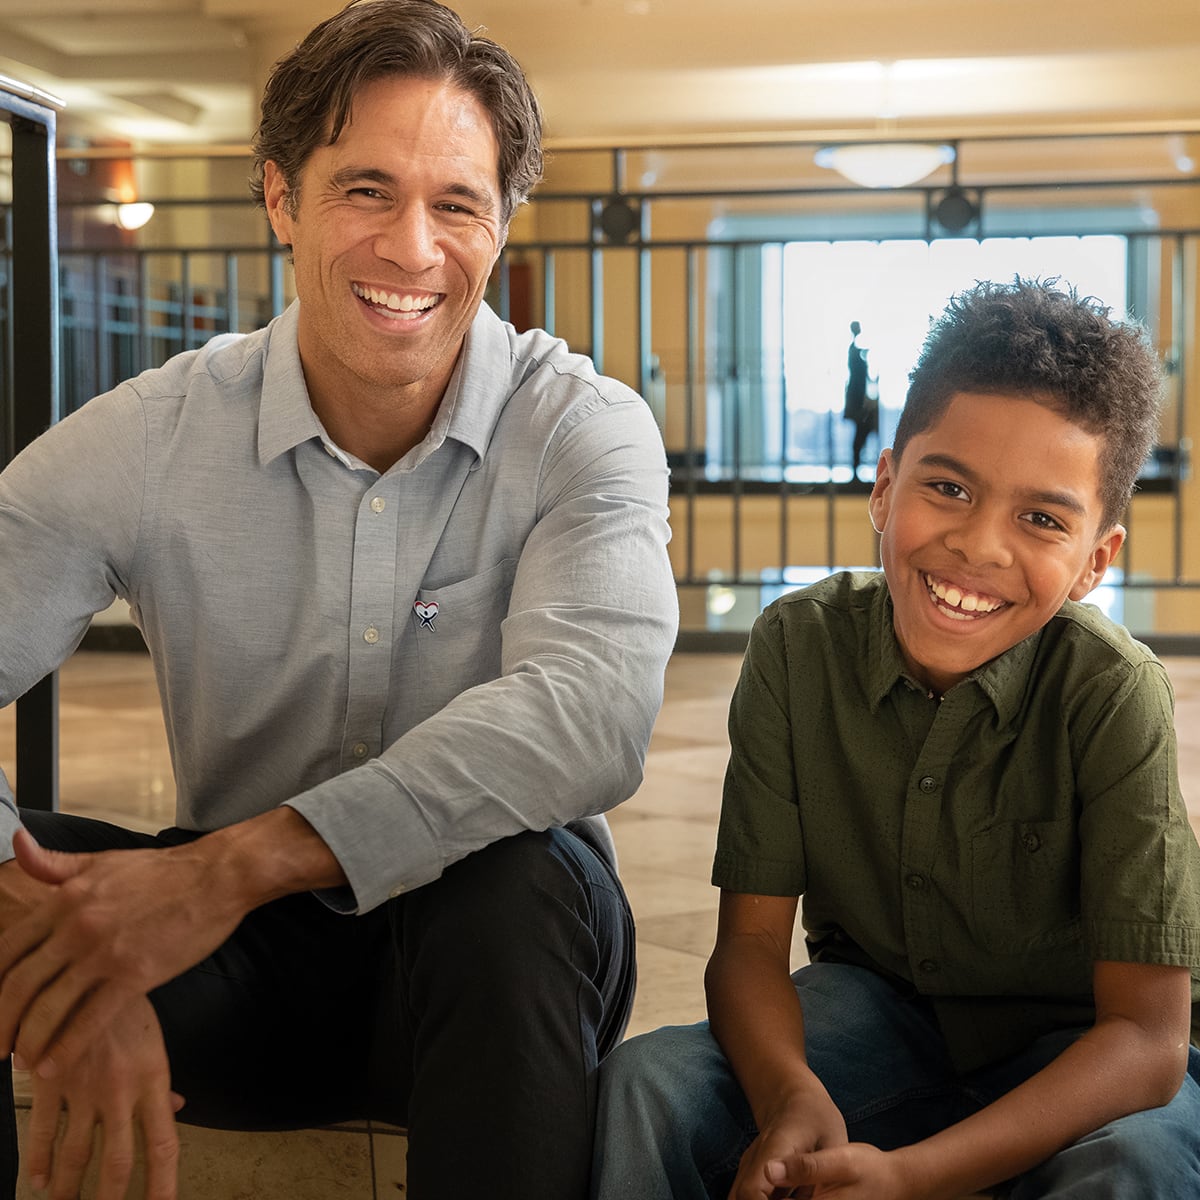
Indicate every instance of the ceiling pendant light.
{"type": "Point", "coordinates": [885, 164]}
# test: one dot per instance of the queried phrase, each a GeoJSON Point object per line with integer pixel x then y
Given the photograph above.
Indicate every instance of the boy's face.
{"type": "Point", "coordinates": [989, 521]}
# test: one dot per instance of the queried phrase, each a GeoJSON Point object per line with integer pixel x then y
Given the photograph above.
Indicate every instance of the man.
{"type": "Point", "coordinates": [402, 572]}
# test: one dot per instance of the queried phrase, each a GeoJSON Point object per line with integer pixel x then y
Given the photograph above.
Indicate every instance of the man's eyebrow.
{"type": "Point", "coordinates": [345, 176]}
{"type": "Point", "coordinates": [348, 175]}
{"type": "Point", "coordinates": [1067, 501]}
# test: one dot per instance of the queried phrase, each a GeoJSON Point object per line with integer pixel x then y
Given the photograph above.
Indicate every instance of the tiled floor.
{"type": "Point", "coordinates": [114, 765]}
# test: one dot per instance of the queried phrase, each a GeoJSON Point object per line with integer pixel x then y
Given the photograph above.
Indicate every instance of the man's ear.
{"type": "Point", "coordinates": [880, 503]}
{"type": "Point", "coordinates": [1105, 550]}
{"type": "Point", "coordinates": [275, 194]}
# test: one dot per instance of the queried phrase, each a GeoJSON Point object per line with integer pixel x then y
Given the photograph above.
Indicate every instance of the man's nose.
{"type": "Point", "coordinates": [410, 238]}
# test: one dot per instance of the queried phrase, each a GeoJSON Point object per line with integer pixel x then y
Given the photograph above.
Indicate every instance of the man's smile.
{"type": "Point", "coordinates": [400, 306]}
{"type": "Point", "coordinates": [960, 603]}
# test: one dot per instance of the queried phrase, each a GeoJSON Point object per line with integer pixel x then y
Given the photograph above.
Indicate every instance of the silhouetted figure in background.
{"type": "Point", "coordinates": [861, 408]}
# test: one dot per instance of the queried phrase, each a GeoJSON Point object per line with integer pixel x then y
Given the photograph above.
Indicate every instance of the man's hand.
{"type": "Point", "coordinates": [122, 1082]}
{"type": "Point", "coordinates": [112, 927]}
{"type": "Point", "coordinates": [851, 1172]}
{"type": "Point", "coordinates": [807, 1121]}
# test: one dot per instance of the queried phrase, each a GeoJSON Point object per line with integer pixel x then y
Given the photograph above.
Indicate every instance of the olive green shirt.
{"type": "Point", "coordinates": [983, 850]}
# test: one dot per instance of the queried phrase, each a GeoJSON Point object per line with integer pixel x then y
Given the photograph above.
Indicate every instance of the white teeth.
{"type": "Point", "coordinates": [956, 599]}
{"type": "Point", "coordinates": [394, 301]}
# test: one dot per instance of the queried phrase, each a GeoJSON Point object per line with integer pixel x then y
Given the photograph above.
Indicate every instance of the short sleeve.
{"type": "Point", "coordinates": [1140, 864]}
{"type": "Point", "coordinates": [760, 848]}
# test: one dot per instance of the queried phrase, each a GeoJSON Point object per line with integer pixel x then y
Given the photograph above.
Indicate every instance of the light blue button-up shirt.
{"type": "Point", "coordinates": [420, 662]}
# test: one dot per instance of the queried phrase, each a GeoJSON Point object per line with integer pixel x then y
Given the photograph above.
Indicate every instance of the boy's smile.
{"type": "Point", "coordinates": [989, 521]}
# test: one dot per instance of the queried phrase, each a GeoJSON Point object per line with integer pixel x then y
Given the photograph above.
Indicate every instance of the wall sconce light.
{"type": "Point", "coordinates": [885, 164]}
{"type": "Point", "coordinates": [134, 216]}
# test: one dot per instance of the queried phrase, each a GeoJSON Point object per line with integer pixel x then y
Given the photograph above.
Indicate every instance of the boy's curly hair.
{"type": "Point", "coordinates": [1033, 339]}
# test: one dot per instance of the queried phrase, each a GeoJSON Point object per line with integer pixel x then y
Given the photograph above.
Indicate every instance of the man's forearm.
{"type": "Point", "coordinates": [269, 856]}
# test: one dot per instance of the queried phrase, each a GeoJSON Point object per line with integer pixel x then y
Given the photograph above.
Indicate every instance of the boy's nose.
{"type": "Point", "coordinates": [983, 537]}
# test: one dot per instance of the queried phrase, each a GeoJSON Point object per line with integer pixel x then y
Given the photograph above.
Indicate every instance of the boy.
{"type": "Point", "coordinates": [971, 780]}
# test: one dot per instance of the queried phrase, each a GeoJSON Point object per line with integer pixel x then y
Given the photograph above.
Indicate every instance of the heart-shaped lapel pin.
{"type": "Point", "coordinates": [427, 612]}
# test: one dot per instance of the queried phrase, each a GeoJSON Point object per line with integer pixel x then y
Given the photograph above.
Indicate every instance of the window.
{"type": "Point", "coordinates": [781, 367]}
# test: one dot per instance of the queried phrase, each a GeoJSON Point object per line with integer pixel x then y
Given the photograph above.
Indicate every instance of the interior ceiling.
{"type": "Point", "coordinates": [185, 72]}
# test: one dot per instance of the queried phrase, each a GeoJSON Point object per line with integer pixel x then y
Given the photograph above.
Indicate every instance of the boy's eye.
{"type": "Point", "coordinates": [1043, 521]}
{"type": "Point", "coordinates": [952, 491]}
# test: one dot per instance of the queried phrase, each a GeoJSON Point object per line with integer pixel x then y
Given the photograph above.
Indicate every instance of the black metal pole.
{"type": "Point", "coordinates": [35, 380]}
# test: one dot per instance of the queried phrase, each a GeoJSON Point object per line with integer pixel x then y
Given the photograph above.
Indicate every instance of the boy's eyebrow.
{"type": "Point", "coordinates": [1064, 500]}
{"type": "Point", "coordinates": [348, 175]}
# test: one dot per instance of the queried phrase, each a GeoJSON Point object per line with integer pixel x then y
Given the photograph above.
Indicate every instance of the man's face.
{"type": "Point", "coordinates": [989, 521]}
{"type": "Point", "coordinates": [395, 232]}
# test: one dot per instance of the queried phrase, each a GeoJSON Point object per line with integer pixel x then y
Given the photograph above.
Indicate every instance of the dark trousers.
{"type": "Point", "coordinates": [474, 1011]}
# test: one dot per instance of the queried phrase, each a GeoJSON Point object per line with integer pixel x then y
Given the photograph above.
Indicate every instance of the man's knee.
{"type": "Point", "coordinates": [532, 893]}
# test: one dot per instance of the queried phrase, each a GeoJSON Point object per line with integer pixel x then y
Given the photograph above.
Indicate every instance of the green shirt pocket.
{"type": "Point", "coordinates": [1025, 886]}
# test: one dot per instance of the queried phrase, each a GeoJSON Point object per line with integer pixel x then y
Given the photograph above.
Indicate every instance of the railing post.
{"type": "Point", "coordinates": [35, 404]}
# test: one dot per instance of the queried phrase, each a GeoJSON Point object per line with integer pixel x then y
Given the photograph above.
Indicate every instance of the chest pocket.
{"type": "Point", "coordinates": [456, 631]}
{"type": "Point", "coordinates": [1025, 886]}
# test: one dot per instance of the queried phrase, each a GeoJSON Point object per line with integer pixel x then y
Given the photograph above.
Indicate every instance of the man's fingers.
{"type": "Point", "coordinates": [61, 1026]}
{"type": "Point", "coordinates": [160, 1141]}
{"type": "Point", "coordinates": [74, 1154]}
{"type": "Point", "coordinates": [48, 866]}
{"type": "Point", "coordinates": [38, 1151]}
{"type": "Point", "coordinates": [116, 1159]}
{"type": "Point", "coordinates": [21, 983]}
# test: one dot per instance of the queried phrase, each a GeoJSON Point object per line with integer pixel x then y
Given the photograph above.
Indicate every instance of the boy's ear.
{"type": "Point", "coordinates": [880, 502]}
{"type": "Point", "coordinates": [1105, 550]}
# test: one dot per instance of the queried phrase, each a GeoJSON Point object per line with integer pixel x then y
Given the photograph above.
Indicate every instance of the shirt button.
{"type": "Point", "coordinates": [360, 749]}
{"type": "Point", "coordinates": [929, 966]}
{"type": "Point", "coordinates": [915, 882]}
{"type": "Point", "coordinates": [928, 784]}
{"type": "Point", "coordinates": [378, 504]}
{"type": "Point", "coordinates": [371, 635]}
{"type": "Point", "coordinates": [1031, 842]}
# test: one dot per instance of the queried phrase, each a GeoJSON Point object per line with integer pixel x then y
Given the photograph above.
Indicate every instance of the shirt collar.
{"type": "Point", "coordinates": [468, 413]}
{"type": "Point", "coordinates": [481, 385]}
{"type": "Point", "coordinates": [285, 416]}
{"type": "Point", "coordinates": [1003, 680]}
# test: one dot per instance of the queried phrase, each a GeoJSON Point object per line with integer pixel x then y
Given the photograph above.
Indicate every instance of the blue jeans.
{"type": "Point", "coordinates": [674, 1123]}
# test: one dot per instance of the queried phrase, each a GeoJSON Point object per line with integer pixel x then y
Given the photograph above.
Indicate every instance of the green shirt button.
{"type": "Point", "coordinates": [928, 784]}
{"type": "Point", "coordinates": [1031, 842]}
{"type": "Point", "coordinates": [915, 882]}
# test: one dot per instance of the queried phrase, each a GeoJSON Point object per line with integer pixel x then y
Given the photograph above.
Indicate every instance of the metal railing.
{"type": "Point", "coordinates": [746, 516]}
{"type": "Point", "coordinates": [29, 396]}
